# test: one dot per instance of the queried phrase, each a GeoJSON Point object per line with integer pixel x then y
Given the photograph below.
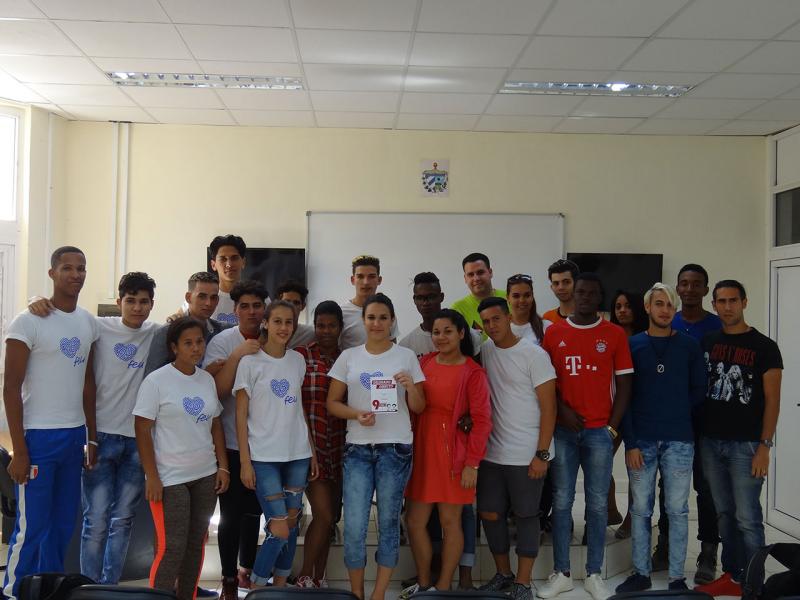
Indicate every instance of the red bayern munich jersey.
{"type": "Point", "coordinates": [586, 358]}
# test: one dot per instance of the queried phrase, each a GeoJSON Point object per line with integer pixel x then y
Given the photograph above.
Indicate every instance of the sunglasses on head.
{"type": "Point", "coordinates": [520, 277]}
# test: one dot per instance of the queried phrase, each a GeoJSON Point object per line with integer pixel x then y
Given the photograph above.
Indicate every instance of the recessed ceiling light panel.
{"type": "Point", "coordinates": [616, 88]}
{"type": "Point", "coordinates": [201, 80]}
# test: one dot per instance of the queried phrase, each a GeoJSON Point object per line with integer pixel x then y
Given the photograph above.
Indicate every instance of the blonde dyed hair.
{"type": "Point", "coordinates": [670, 292]}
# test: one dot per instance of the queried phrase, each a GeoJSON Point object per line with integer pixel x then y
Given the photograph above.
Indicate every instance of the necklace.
{"type": "Point", "coordinates": [660, 368]}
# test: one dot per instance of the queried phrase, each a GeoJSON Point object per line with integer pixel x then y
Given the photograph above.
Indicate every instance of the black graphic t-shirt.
{"type": "Point", "coordinates": [736, 363]}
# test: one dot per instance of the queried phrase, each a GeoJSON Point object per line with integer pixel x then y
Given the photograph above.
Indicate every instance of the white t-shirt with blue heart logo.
{"type": "Point", "coordinates": [276, 425]}
{"type": "Point", "coordinates": [52, 392]}
{"type": "Point", "coordinates": [182, 407]}
{"type": "Point", "coordinates": [354, 367]}
{"type": "Point", "coordinates": [120, 354]}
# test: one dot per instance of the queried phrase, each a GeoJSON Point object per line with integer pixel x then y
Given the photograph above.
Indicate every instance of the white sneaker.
{"type": "Point", "coordinates": [557, 582]}
{"type": "Point", "coordinates": [596, 587]}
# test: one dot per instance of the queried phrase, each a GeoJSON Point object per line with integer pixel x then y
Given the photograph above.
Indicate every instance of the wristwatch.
{"type": "Point", "coordinates": [543, 455]}
{"type": "Point", "coordinates": [614, 433]}
{"type": "Point", "coordinates": [767, 443]}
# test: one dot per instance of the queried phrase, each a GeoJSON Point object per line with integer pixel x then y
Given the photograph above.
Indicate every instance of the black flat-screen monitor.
{"type": "Point", "coordinates": [630, 272]}
{"type": "Point", "coordinates": [271, 266]}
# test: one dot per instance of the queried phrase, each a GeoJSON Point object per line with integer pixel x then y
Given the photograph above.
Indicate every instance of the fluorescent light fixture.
{"type": "Point", "coordinates": [615, 88]}
{"type": "Point", "coordinates": [201, 80]}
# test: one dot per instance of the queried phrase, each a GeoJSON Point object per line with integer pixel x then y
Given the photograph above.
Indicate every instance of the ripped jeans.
{"type": "Point", "coordinates": [279, 487]}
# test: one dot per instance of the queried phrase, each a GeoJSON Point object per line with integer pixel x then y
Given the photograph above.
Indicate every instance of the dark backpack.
{"type": "Point", "coordinates": [781, 584]}
{"type": "Point", "coordinates": [50, 586]}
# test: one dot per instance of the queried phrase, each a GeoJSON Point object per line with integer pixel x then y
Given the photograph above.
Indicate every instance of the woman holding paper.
{"type": "Point", "coordinates": [383, 382]}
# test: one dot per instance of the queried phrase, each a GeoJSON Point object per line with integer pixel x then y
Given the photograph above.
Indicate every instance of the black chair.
{"type": "Point", "coordinates": [8, 499]}
{"type": "Point", "coordinates": [460, 595]}
{"type": "Point", "coordinates": [119, 592]}
{"type": "Point", "coordinates": [287, 593]}
{"type": "Point", "coordinates": [663, 595]}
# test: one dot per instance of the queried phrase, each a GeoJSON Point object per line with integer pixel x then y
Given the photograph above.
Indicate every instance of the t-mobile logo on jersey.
{"type": "Point", "coordinates": [575, 363]}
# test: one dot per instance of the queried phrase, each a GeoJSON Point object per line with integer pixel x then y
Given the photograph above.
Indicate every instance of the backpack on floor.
{"type": "Point", "coordinates": [50, 586]}
{"type": "Point", "coordinates": [781, 584]}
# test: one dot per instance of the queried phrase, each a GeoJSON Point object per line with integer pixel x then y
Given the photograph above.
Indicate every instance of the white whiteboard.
{"type": "Point", "coordinates": [408, 243]}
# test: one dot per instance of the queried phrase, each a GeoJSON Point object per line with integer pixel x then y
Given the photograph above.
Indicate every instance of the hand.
{"type": "Point", "coordinates": [214, 367]}
{"type": "Point", "coordinates": [248, 475]}
{"type": "Point", "coordinates": [313, 471]}
{"type": "Point", "coordinates": [153, 490]}
{"type": "Point", "coordinates": [568, 418]}
{"type": "Point", "coordinates": [247, 347]}
{"type": "Point", "coordinates": [223, 481]}
{"type": "Point", "coordinates": [404, 379]}
{"type": "Point", "coordinates": [760, 465]}
{"type": "Point", "coordinates": [538, 468]}
{"type": "Point", "coordinates": [469, 477]}
{"type": "Point", "coordinates": [20, 468]}
{"type": "Point", "coordinates": [176, 315]}
{"type": "Point", "coordinates": [90, 459]}
{"type": "Point", "coordinates": [40, 307]}
{"type": "Point", "coordinates": [366, 419]}
{"type": "Point", "coordinates": [634, 459]}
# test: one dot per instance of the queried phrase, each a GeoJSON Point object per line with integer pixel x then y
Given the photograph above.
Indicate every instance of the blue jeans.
{"type": "Point", "coordinates": [592, 450]}
{"type": "Point", "coordinates": [674, 460]}
{"type": "Point", "coordinates": [279, 487]}
{"type": "Point", "coordinates": [383, 470]}
{"type": "Point", "coordinates": [111, 491]}
{"type": "Point", "coordinates": [737, 498]}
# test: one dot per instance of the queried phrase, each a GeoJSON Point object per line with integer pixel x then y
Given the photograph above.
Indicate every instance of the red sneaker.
{"type": "Point", "coordinates": [723, 586]}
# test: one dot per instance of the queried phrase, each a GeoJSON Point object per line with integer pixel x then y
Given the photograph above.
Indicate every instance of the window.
{"type": "Point", "coordinates": [787, 217]}
{"type": "Point", "coordinates": [8, 167]}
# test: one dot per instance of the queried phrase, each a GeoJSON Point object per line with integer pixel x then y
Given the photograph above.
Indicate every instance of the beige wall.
{"type": "Point", "coordinates": [691, 198]}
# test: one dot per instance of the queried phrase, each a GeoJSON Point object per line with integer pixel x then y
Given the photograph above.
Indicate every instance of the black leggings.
{"type": "Point", "coordinates": [239, 519]}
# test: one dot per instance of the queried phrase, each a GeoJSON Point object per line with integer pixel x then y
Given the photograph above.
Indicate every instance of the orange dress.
{"type": "Point", "coordinates": [431, 477]}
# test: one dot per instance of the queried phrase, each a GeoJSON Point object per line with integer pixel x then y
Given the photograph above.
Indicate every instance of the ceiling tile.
{"type": "Point", "coordinates": [430, 103]}
{"type": "Point", "coordinates": [193, 116]}
{"type": "Point", "coordinates": [355, 101]}
{"type": "Point", "coordinates": [82, 95]}
{"type": "Point", "coordinates": [795, 93]}
{"type": "Point", "coordinates": [52, 69]}
{"type": "Point", "coordinates": [19, 9]}
{"type": "Point", "coordinates": [663, 77]}
{"type": "Point", "coordinates": [437, 122]}
{"type": "Point", "coordinates": [274, 118]}
{"type": "Point", "coordinates": [34, 37]}
{"type": "Point", "coordinates": [382, 15]}
{"type": "Point", "coordinates": [463, 50]}
{"type": "Point", "coordinates": [688, 55]}
{"type": "Point", "coordinates": [55, 109]}
{"type": "Point", "coordinates": [707, 108]}
{"type": "Point", "coordinates": [257, 13]}
{"type": "Point", "coordinates": [775, 110]}
{"type": "Point", "coordinates": [126, 39]}
{"type": "Point", "coordinates": [678, 126]}
{"type": "Point", "coordinates": [147, 65]}
{"type": "Point", "coordinates": [480, 16]}
{"type": "Point", "coordinates": [227, 67]}
{"type": "Point", "coordinates": [733, 19]}
{"type": "Point", "coordinates": [533, 104]}
{"type": "Point", "coordinates": [509, 123]}
{"type": "Point", "coordinates": [622, 106]}
{"type": "Point", "coordinates": [451, 79]}
{"type": "Point", "coordinates": [753, 127]}
{"type": "Point", "coordinates": [734, 85]}
{"type": "Point", "coordinates": [353, 47]}
{"type": "Point", "coordinates": [635, 18]}
{"type": "Point", "coordinates": [578, 53]}
{"type": "Point", "coordinates": [108, 113]}
{"type": "Point", "coordinates": [265, 99]}
{"type": "Point", "coordinates": [596, 125]}
{"type": "Point", "coordinates": [573, 75]}
{"type": "Point", "coordinates": [167, 97]}
{"type": "Point", "coordinates": [355, 120]}
{"type": "Point", "coordinates": [793, 33]}
{"type": "Point", "coordinates": [145, 11]}
{"type": "Point", "coordinates": [774, 57]}
{"type": "Point", "coordinates": [258, 44]}
{"type": "Point", "coordinates": [11, 89]}
{"type": "Point", "coordinates": [353, 77]}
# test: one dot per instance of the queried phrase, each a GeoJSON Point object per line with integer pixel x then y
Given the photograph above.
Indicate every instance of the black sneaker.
{"type": "Point", "coordinates": [498, 583]}
{"type": "Point", "coordinates": [635, 583]}
{"type": "Point", "coordinates": [678, 584]}
{"type": "Point", "coordinates": [204, 593]}
{"type": "Point", "coordinates": [706, 564]}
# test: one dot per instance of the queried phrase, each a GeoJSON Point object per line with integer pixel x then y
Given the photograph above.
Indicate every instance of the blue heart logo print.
{"type": "Point", "coordinates": [70, 346]}
{"type": "Point", "coordinates": [125, 352]}
{"type": "Point", "coordinates": [279, 387]}
{"type": "Point", "coordinates": [193, 406]}
{"type": "Point", "coordinates": [364, 378]}
{"type": "Point", "coordinates": [227, 318]}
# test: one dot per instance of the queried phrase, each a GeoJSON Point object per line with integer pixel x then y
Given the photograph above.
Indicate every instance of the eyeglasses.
{"type": "Point", "coordinates": [520, 277]}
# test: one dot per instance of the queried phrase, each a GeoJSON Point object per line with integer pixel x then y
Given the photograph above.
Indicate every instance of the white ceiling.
{"type": "Point", "coordinates": [413, 64]}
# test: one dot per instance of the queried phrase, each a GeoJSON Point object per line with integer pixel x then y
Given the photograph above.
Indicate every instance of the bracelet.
{"type": "Point", "coordinates": [223, 469]}
{"type": "Point", "coordinates": [93, 443]}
